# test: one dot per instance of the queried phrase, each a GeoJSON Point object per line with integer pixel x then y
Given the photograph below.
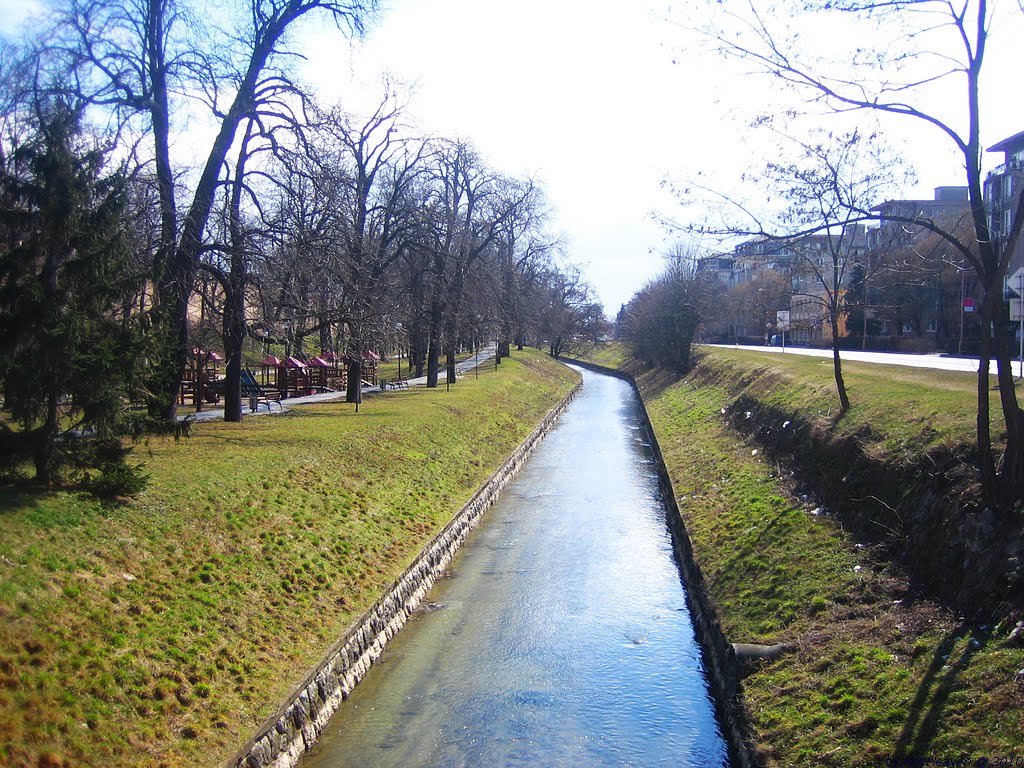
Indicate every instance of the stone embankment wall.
{"type": "Point", "coordinates": [720, 663]}
{"type": "Point", "coordinates": [282, 740]}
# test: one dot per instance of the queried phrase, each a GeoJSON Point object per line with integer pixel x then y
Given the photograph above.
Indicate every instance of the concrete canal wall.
{"type": "Point", "coordinates": [720, 663]}
{"type": "Point", "coordinates": [284, 737]}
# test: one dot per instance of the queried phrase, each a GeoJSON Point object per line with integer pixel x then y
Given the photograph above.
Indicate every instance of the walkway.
{"type": "Point", "coordinates": [461, 369]}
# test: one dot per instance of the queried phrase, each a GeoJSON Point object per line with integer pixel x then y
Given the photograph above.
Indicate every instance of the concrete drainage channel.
{"type": "Point", "coordinates": [720, 656]}
{"type": "Point", "coordinates": [296, 726]}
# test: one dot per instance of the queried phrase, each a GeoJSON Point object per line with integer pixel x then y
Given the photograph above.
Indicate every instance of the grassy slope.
{"type": "Point", "coordinates": [876, 671]}
{"type": "Point", "coordinates": [164, 631]}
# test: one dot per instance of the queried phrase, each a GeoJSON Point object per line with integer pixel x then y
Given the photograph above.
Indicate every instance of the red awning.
{"type": "Point", "coordinates": [293, 362]}
{"type": "Point", "coordinates": [318, 362]}
{"type": "Point", "coordinates": [271, 360]}
{"type": "Point", "coordinates": [369, 354]}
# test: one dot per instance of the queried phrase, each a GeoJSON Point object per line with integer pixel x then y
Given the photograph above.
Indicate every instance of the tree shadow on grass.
{"type": "Point", "coordinates": [925, 713]}
{"type": "Point", "coordinates": [745, 550]}
{"type": "Point", "coordinates": [15, 493]}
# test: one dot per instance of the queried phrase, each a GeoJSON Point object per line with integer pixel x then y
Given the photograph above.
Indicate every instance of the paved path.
{"type": "Point", "coordinates": [938, 362]}
{"type": "Point", "coordinates": [461, 369]}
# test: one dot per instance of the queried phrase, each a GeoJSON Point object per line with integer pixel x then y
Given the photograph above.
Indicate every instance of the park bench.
{"type": "Point", "coordinates": [258, 394]}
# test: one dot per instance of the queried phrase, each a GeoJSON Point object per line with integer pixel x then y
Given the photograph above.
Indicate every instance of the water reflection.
{"type": "Point", "coordinates": [562, 638]}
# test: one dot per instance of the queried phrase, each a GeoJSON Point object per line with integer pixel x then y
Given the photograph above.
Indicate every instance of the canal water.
{"type": "Point", "coordinates": [561, 636]}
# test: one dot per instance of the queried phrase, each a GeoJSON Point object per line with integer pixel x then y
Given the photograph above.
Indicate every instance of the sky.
{"type": "Point", "coordinates": [579, 94]}
{"type": "Point", "coordinates": [599, 100]}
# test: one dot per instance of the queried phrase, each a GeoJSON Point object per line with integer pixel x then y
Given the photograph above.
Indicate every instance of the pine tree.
{"type": "Point", "coordinates": [66, 352]}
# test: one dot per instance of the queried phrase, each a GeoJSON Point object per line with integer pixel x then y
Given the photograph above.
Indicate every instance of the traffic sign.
{"type": "Point", "coordinates": [1016, 310]}
{"type": "Point", "coordinates": [782, 320]}
{"type": "Point", "coordinates": [1014, 284]}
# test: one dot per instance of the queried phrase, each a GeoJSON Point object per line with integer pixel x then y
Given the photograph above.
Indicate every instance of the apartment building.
{"type": "Point", "coordinates": [1003, 187]}
{"type": "Point", "coordinates": [920, 291]}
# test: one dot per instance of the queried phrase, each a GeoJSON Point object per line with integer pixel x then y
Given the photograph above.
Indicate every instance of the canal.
{"type": "Point", "coordinates": [561, 636]}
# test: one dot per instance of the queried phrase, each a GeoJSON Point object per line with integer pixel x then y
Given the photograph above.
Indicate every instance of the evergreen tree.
{"type": "Point", "coordinates": [66, 350]}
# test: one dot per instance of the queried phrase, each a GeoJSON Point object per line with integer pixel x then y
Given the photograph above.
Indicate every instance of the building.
{"type": "Point", "coordinates": [1003, 187]}
{"type": "Point", "coordinates": [918, 290]}
{"type": "Point", "coordinates": [720, 266]}
{"type": "Point", "coordinates": [949, 208]}
{"type": "Point", "coordinates": [821, 270]}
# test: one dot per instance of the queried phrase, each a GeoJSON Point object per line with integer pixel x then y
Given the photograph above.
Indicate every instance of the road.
{"type": "Point", "coordinates": [938, 362]}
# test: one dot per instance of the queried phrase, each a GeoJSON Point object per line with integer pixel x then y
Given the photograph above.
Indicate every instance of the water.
{"type": "Point", "coordinates": [562, 636]}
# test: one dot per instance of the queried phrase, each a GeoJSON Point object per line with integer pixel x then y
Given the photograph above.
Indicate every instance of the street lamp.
{"type": "Point", "coordinates": [398, 333]}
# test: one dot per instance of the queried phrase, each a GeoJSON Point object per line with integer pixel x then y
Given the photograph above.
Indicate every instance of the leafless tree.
{"type": "Point", "coordinates": [661, 320]}
{"type": "Point", "coordinates": [470, 207]}
{"type": "Point", "coordinates": [377, 216]}
{"type": "Point", "coordinates": [827, 192]}
{"type": "Point", "coordinates": [904, 48]}
{"type": "Point", "coordinates": [139, 60]}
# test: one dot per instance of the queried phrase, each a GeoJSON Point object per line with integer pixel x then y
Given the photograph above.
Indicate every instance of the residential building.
{"type": "Point", "coordinates": [821, 270]}
{"type": "Point", "coordinates": [918, 291]}
{"type": "Point", "coordinates": [720, 265]}
{"type": "Point", "coordinates": [1002, 191]}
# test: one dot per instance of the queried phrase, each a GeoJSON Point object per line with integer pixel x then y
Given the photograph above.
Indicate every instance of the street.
{"type": "Point", "coordinates": [938, 362]}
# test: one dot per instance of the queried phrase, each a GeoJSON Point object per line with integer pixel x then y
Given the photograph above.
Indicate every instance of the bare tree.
{"type": "Point", "coordinates": [130, 58]}
{"type": "Point", "coordinates": [661, 320]}
{"type": "Point", "coordinates": [471, 206]}
{"type": "Point", "coordinates": [377, 217]}
{"type": "Point", "coordinates": [569, 310]}
{"type": "Point", "coordinates": [916, 44]}
{"type": "Point", "coordinates": [518, 242]}
{"type": "Point", "coordinates": [827, 192]}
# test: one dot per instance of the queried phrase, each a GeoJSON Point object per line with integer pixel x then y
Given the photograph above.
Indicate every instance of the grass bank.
{"type": "Point", "coordinates": [163, 631]}
{"type": "Point", "coordinates": [877, 669]}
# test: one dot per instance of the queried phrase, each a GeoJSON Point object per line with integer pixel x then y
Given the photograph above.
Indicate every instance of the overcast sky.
{"type": "Point", "coordinates": [600, 100]}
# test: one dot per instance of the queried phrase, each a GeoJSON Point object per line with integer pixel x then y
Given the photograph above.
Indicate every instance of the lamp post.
{"type": "Point", "coordinates": [960, 341]}
{"type": "Point", "coordinates": [398, 336]}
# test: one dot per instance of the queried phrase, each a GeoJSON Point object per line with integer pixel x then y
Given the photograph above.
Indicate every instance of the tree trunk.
{"type": "Point", "coordinates": [434, 342]}
{"type": "Point", "coordinates": [234, 338]}
{"type": "Point", "coordinates": [837, 364]}
{"type": "Point", "coordinates": [452, 317]}
{"type": "Point", "coordinates": [353, 387]}
{"type": "Point", "coordinates": [450, 363]}
{"type": "Point", "coordinates": [1012, 470]}
{"type": "Point", "coordinates": [234, 300]}
{"type": "Point", "coordinates": [986, 462]}
{"type": "Point", "coordinates": [45, 438]}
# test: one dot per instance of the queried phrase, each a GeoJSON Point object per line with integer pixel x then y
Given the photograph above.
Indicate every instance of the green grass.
{"type": "Point", "coordinates": [163, 631]}
{"type": "Point", "coordinates": [611, 354]}
{"type": "Point", "coordinates": [907, 410]}
{"type": "Point", "coordinates": [875, 670]}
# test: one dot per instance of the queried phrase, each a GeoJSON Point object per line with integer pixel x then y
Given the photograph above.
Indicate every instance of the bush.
{"type": "Point", "coordinates": [102, 466]}
{"type": "Point", "coordinates": [117, 479]}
